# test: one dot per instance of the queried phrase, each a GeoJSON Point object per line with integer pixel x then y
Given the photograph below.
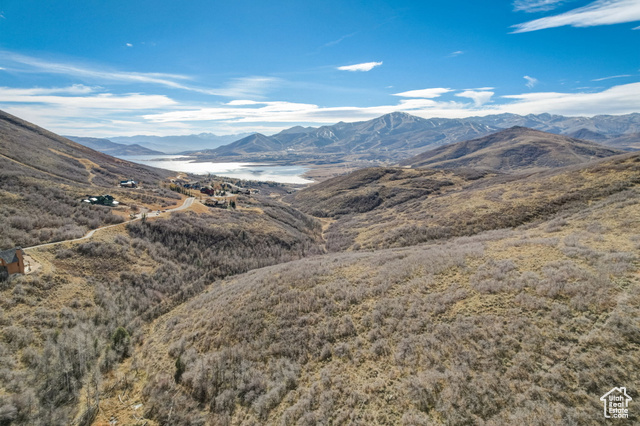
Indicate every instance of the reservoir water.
{"type": "Point", "coordinates": [248, 171]}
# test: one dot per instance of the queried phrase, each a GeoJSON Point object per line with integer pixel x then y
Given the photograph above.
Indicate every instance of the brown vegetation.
{"type": "Point", "coordinates": [469, 331]}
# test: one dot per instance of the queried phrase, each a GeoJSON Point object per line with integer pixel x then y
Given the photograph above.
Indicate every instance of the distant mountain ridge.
{"type": "Point", "coordinates": [390, 136]}
{"type": "Point", "coordinates": [181, 143]}
{"type": "Point", "coordinates": [116, 149]}
{"type": "Point", "coordinates": [397, 136]}
{"type": "Point", "coordinates": [513, 149]}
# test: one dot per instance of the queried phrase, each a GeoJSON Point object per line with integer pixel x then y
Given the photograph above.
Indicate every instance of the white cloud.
{"type": "Point", "coordinates": [101, 101]}
{"type": "Point", "coordinates": [613, 76]}
{"type": "Point", "coordinates": [254, 86]}
{"type": "Point", "coordinates": [423, 93]}
{"type": "Point", "coordinates": [531, 81]}
{"type": "Point", "coordinates": [623, 99]}
{"type": "Point", "coordinates": [479, 97]}
{"type": "Point", "coordinates": [128, 44]}
{"type": "Point", "coordinates": [339, 40]}
{"type": "Point", "coordinates": [601, 12]}
{"type": "Point", "coordinates": [530, 6]}
{"type": "Point", "coordinates": [617, 100]}
{"type": "Point", "coordinates": [366, 66]}
{"type": "Point", "coordinates": [456, 53]}
{"type": "Point", "coordinates": [75, 89]}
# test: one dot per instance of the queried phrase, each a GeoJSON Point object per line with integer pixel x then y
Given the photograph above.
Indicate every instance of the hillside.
{"type": "Point", "coordinates": [450, 296]}
{"type": "Point", "coordinates": [514, 149]}
{"type": "Point", "coordinates": [74, 318]}
{"type": "Point", "coordinates": [252, 144]}
{"type": "Point", "coordinates": [524, 324]}
{"type": "Point", "coordinates": [116, 149]}
{"type": "Point", "coordinates": [44, 176]}
{"type": "Point", "coordinates": [409, 206]}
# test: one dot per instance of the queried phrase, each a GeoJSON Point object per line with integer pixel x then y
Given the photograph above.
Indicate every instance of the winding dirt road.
{"type": "Point", "coordinates": [187, 203]}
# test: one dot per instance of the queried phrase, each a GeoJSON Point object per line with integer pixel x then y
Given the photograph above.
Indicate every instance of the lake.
{"type": "Point", "coordinates": [248, 171]}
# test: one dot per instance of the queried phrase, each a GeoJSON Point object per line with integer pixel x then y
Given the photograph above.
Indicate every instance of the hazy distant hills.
{"type": "Point", "coordinates": [179, 144]}
{"type": "Point", "coordinates": [600, 126]}
{"type": "Point", "coordinates": [397, 136]}
{"type": "Point", "coordinates": [517, 148]}
{"type": "Point", "coordinates": [108, 147]}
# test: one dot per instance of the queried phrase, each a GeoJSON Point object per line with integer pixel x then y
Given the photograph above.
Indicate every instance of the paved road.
{"type": "Point", "coordinates": [187, 203]}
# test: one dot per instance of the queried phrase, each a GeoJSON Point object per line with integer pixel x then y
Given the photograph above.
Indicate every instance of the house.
{"type": "Point", "coordinates": [105, 200]}
{"type": "Point", "coordinates": [238, 190]}
{"type": "Point", "coordinates": [12, 260]}
{"type": "Point", "coordinates": [208, 190]}
{"type": "Point", "coordinates": [194, 184]}
{"type": "Point", "coordinates": [128, 183]}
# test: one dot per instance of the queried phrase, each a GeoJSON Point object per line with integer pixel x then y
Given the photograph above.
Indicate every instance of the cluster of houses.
{"type": "Point", "coordinates": [221, 202]}
{"type": "Point", "coordinates": [212, 188]}
{"type": "Point", "coordinates": [103, 200]}
{"type": "Point", "coordinates": [223, 188]}
{"type": "Point", "coordinates": [187, 184]}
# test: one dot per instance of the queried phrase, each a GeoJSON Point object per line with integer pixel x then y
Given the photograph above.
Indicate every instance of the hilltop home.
{"type": "Point", "coordinates": [128, 183]}
{"type": "Point", "coordinates": [104, 200]}
{"type": "Point", "coordinates": [12, 260]}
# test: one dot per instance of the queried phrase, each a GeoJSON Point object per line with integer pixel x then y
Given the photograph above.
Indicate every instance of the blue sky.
{"type": "Point", "coordinates": [97, 68]}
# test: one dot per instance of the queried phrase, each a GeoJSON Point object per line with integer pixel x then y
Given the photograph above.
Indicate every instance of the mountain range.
{"type": "Point", "coordinates": [397, 136]}
{"type": "Point", "coordinates": [179, 144]}
{"type": "Point", "coordinates": [112, 148]}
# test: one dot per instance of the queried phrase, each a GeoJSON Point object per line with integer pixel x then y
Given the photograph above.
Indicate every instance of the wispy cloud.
{"type": "Point", "coordinates": [601, 12]}
{"type": "Point", "coordinates": [339, 40]}
{"type": "Point", "coordinates": [424, 93]}
{"type": "Point", "coordinates": [76, 89]}
{"type": "Point", "coordinates": [479, 97]}
{"type": "Point", "coordinates": [104, 101]}
{"type": "Point", "coordinates": [530, 6]}
{"type": "Point", "coordinates": [613, 76]}
{"type": "Point", "coordinates": [128, 44]}
{"type": "Point", "coordinates": [531, 81]}
{"type": "Point", "coordinates": [254, 86]}
{"type": "Point", "coordinates": [456, 53]}
{"type": "Point", "coordinates": [366, 66]}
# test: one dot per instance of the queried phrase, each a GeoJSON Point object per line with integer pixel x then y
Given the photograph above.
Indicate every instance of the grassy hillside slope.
{"type": "Point", "coordinates": [456, 202]}
{"type": "Point", "coordinates": [65, 331]}
{"type": "Point", "coordinates": [44, 176]}
{"type": "Point", "coordinates": [517, 148]}
{"type": "Point", "coordinates": [522, 325]}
